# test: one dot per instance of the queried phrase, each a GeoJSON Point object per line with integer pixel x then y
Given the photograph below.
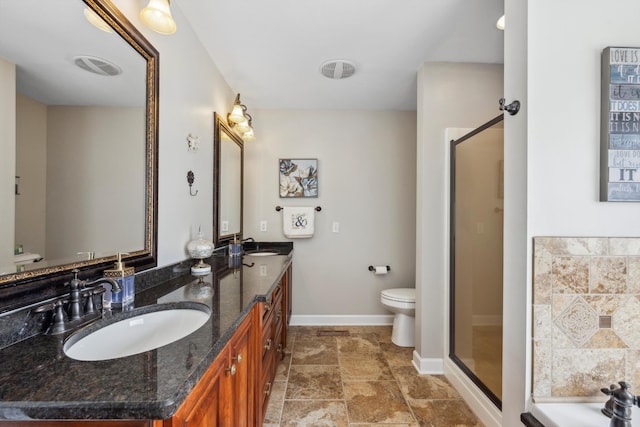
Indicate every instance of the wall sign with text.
{"type": "Point", "coordinates": [620, 125]}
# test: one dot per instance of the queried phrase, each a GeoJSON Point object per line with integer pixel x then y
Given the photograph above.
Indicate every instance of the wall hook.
{"type": "Point", "coordinates": [512, 108]}
{"type": "Point", "coordinates": [190, 178]}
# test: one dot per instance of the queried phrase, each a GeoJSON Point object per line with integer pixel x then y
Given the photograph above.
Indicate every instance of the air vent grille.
{"type": "Point", "coordinates": [97, 65]}
{"type": "Point", "coordinates": [338, 69]}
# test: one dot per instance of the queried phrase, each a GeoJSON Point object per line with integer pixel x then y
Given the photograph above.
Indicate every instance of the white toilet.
{"type": "Point", "coordinates": [401, 301]}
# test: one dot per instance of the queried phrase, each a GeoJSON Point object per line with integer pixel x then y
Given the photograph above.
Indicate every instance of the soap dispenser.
{"type": "Point", "coordinates": [125, 277]}
{"type": "Point", "coordinates": [235, 247]}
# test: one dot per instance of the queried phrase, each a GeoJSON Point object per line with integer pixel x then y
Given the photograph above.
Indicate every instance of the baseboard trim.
{"type": "Point", "coordinates": [480, 404]}
{"type": "Point", "coordinates": [342, 320]}
{"type": "Point", "coordinates": [427, 366]}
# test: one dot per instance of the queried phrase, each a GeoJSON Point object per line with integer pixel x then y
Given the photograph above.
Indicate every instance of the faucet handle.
{"type": "Point", "coordinates": [75, 282]}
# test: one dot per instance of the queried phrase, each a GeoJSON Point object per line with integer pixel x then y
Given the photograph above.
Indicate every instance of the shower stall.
{"type": "Point", "coordinates": [476, 242]}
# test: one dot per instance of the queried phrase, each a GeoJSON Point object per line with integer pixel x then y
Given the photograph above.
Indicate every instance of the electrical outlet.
{"type": "Point", "coordinates": [263, 225]}
{"type": "Point", "coordinates": [225, 226]}
{"type": "Point", "coordinates": [335, 227]}
{"type": "Point", "coordinates": [263, 270]}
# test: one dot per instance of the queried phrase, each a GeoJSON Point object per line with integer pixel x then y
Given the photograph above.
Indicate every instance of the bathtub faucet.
{"type": "Point", "coordinates": [620, 404]}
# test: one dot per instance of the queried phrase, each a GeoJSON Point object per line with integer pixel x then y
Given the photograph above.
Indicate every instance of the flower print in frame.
{"type": "Point", "coordinates": [298, 177]}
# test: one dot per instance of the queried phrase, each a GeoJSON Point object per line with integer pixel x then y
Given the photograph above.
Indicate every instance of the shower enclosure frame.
{"type": "Point", "coordinates": [452, 256]}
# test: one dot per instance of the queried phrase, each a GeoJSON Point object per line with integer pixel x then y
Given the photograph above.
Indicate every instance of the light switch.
{"type": "Point", "coordinates": [263, 225]}
{"type": "Point", "coordinates": [335, 227]}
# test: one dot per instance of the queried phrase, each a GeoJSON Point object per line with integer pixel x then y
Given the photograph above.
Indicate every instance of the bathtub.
{"type": "Point", "coordinates": [575, 415]}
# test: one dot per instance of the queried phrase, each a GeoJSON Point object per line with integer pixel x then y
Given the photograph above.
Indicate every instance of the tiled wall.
{"type": "Point", "coordinates": [586, 317]}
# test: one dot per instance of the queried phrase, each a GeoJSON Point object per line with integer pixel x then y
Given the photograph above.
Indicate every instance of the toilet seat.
{"type": "Point", "coordinates": [400, 294]}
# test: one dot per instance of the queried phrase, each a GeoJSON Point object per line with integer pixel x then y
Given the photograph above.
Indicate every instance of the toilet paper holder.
{"type": "Point", "coordinates": [372, 268]}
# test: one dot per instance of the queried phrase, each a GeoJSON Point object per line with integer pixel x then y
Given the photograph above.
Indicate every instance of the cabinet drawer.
{"type": "Point", "coordinates": [267, 341]}
{"type": "Point", "coordinates": [266, 382]}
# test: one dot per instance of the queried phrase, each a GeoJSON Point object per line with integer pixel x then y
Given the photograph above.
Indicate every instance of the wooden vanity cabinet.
{"type": "Point", "coordinates": [270, 316]}
{"type": "Point", "coordinates": [287, 305]}
{"type": "Point", "coordinates": [224, 395]}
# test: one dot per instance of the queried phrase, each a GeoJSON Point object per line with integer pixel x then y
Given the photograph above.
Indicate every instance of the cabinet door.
{"type": "Point", "coordinates": [244, 378]}
{"type": "Point", "coordinates": [204, 406]}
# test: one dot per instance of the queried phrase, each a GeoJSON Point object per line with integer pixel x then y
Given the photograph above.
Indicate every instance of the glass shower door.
{"type": "Point", "coordinates": [476, 256]}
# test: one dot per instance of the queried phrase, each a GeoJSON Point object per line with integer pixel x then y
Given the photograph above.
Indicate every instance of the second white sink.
{"type": "Point", "coordinates": [264, 253]}
{"type": "Point", "coordinates": [140, 330]}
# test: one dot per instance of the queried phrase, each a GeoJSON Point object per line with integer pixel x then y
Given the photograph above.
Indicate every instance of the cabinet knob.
{"type": "Point", "coordinates": [232, 369]}
{"type": "Point", "coordinates": [238, 358]}
{"type": "Point", "coordinates": [267, 346]}
{"type": "Point", "coordinates": [267, 306]}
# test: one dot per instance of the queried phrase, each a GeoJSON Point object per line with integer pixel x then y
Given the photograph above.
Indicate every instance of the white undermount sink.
{"type": "Point", "coordinates": [263, 253]}
{"type": "Point", "coordinates": [137, 331]}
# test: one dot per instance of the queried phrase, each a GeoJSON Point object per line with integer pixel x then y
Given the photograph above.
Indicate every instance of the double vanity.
{"type": "Point", "coordinates": [219, 374]}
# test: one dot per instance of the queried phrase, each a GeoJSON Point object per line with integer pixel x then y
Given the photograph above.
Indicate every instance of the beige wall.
{"type": "Point", "coordinates": [7, 161]}
{"type": "Point", "coordinates": [31, 166]}
{"type": "Point", "coordinates": [366, 167]}
{"type": "Point", "coordinates": [95, 191]}
{"type": "Point", "coordinates": [191, 89]}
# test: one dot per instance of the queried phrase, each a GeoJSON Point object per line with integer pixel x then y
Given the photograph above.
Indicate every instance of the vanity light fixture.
{"type": "Point", "coordinates": [157, 16]}
{"type": "Point", "coordinates": [500, 23]}
{"type": "Point", "coordinates": [96, 21]}
{"type": "Point", "coordinates": [240, 121]}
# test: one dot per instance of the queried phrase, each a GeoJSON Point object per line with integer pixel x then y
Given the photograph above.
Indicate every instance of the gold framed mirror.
{"type": "Point", "coordinates": [78, 200]}
{"type": "Point", "coordinates": [228, 183]}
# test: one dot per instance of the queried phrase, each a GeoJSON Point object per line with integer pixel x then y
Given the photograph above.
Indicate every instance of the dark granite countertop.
{"type": "Point", "coordinates": [37, 381]}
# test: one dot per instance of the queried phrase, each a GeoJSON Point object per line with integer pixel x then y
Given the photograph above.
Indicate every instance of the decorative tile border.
{"type": "Point", "coordinates": [586, 316]}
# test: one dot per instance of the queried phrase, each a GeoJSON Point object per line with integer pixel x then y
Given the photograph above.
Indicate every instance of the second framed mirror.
{"type": "Point", "coordinates": [228, 182]}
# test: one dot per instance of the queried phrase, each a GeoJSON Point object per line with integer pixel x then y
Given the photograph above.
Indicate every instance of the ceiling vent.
{"type": "Point", "coordinates": [97, 65]}
{"type": "Point", "coordinates": [338, 69]}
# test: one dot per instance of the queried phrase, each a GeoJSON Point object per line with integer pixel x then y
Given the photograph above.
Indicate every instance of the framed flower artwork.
{"type": "Point", "coordinates": [298, 178]}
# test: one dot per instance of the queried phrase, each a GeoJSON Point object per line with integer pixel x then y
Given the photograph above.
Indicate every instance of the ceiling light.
{"type": "Point", "coordinates": [500, 23]}
{"type": "Point", "coordinates": [157, 16]}
{"type": "Point", "coordinates": [96, 21]}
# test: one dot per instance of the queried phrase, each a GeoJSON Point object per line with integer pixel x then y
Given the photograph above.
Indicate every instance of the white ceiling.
{"type": "Point", "coordinates": [271, 51]}
{"type": "Point", "coordinates": [44, 49]}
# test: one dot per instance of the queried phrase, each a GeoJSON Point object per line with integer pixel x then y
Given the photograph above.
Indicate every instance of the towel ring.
{"type": "Point", "coordinates": [317, 208]}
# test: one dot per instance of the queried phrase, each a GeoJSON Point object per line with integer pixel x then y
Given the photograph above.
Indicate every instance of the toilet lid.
{"type": "Point", "coordinates": [400, 294]}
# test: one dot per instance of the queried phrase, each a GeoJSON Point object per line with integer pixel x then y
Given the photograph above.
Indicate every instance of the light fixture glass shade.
{"type": "Point", "coordinates": [96, 21]}
{"type": "Point", "coordinates": [237, 114]}
{"type": "Point", "coordinates": [157, 16]}
{"type": "Point", "coordinates": [249, 135]}
{"type": "Point", "coordinates": [500, 23]}
{"type": "Point", "coordinates": [242, 127]}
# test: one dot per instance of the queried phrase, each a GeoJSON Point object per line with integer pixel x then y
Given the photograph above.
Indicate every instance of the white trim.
{"type": "Point", "coordinates": [426, 366]}
{"type": "Point", "coordinates": [486, 320]}
{"type": "Point", "coordinates": [480, 404]}
{"type": "Point", "coordinates": [345, 320]}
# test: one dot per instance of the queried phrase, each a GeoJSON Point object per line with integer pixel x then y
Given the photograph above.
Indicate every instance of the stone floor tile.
{"type": "Point", "coordinates": [276, 400]}
{"type": "Point", "coordinates": [445, 413]}
{"type": "Point", "coordinates": [418, 388]}
{"type": "Point", "coordinates": [372, 366]}
{"type": "Point", "coordinates": [397, 356]}
{"type": "Point", "coordinates": [311, 350]}
{"type": "Point", "coordinates": [364, 400]}
{"type": "Point", "coordinates": [314, 382]}
{"type": "Point", "coordinates": [314, 413]}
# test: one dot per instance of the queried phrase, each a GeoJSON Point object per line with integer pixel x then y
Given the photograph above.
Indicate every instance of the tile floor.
{"type": "Point", "coordinates": [359, 380]}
